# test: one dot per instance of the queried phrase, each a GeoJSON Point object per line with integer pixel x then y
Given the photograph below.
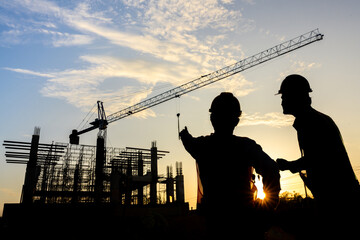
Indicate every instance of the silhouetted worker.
{"type": "Point", "coordinates": [224, 162]}
{"type": "Point", "coordinates": [329, 174]}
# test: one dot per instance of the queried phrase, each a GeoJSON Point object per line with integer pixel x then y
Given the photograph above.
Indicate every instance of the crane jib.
{"type": "Point", "coordinates": [215, 76]}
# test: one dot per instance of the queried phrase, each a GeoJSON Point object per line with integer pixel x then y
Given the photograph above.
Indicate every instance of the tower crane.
{"type": "Point", "coordinates": [102, 121]}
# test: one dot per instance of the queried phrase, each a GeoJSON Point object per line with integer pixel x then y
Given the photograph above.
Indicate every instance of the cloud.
{"type": "Point", "coordinates": [168, 30]}
{"type": "Point", "coordinates": [82, 87]}
{"type": "Point", "coordinates": [72, 40]}
{"type": "Point", "coordinates": [166, 42]}
{"type": "Point", "coordinates": [166, 17]}
{"type": "Point", "coordinates": [251, 2]}
{"type": "Point", "coordinates": [238, 85]}
{"type": "Point", "coordinates": [298, 67]}
{"type": "Point", "coordinates": [79, 83]}
{"type": "Point", "coordinates": [227, 1]}
{"type": "Point", "coordinates": [85, 97]}
{"type": "Point", "coordinates": [273, 119]}
{"type": "Point", "coordinates": [60, 39]}
{"type": "Point", "coordinates": [29, 72]}
{"type": "Point", "coordinates": [198, 31]}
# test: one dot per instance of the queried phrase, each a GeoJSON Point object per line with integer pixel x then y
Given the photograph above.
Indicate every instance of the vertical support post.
{"type": "Point", "coordinates": [76, 187]}
{"type": "Point", "coordinates": [129, 183]}
{"type": "Point", "coordinates": [169, 186]}
{"type": "Point", "coordinates": [115, 178]}
{"type": "Point", "coordinates": [44, 182]}
{"type": "Point", "coordinates": [180, 195]}
{"type": "Point", "coordinates": [140, 174]}
{"type": "Point", "coordinates": [99, 169]}
{"type": "Point", "coordinates": [154, 173]}
{"type": "Point", "coordinates": [31, 174]}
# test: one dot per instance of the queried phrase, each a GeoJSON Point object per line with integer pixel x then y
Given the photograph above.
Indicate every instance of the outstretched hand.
{"type": "Point", "coordinates": [283, 164]}
{"type": "Point", "coordinates": [287, 165]}
{"type": "Point", "coordinates": [184, 133]}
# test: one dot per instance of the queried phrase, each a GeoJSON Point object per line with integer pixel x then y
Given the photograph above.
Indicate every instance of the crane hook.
{"type": "Point", "coordinates": [178, 118]}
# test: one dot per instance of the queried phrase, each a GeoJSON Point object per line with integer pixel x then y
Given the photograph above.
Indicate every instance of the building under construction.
{"type": "Point", "coordinates": [70, 173]}
{"type": "Point", "coordinates": [91, 180]}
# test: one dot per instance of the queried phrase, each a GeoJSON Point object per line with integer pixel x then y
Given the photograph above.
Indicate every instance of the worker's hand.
{"type": "Point", "coordinates": [287, 165]}
{"type": "Point", "coordinates": [306, 180]}
{"type": "Point", "coordinates": [184, 133]}
{"type": "Point", "coordinates": [303, 175]}
{"type": "Point", "coordinates": [283, 164]}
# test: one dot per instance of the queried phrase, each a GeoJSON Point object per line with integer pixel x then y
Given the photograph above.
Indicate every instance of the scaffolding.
{"type": "Point", "coordinates": [61, 173]}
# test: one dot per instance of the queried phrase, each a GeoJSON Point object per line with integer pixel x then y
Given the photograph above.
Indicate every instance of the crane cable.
{"type": "Point", "coordinates": [87, 118]}
{"type": "Point", "coordinates": [178, 115]}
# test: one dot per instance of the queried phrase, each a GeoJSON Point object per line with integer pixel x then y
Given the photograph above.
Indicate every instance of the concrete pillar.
{"type": "Point", "coordinates": [128, 189]}
{"type": "Point", "coordinates": [154, 173]}
{"type": "Point", "coordinates": [99, 169]}
{"type": "Point", "coordinates": [169, 186]}
{"type": "Point", "coordinates": [180, 195]}
{"type": "Point", "coordinates": [140, 174]}
{"type": "Point", "coordinates": [115, 193]}
{"type": "Point", "coordinates": [31, 174]}
{"type": "Point", "coordinates": [76, 188]}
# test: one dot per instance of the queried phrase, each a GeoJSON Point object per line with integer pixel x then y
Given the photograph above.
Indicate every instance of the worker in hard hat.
{"type": "Point", "coordinates": [329, 174]}
{"type": "Point", "coordinates": [224, 161]}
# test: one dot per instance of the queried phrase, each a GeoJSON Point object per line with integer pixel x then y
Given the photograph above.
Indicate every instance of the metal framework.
{"type": "Point", "coordinates": [61, 173]}
{"type": "Point", "coordinates": [204, 80]}
{"type": "Point", "coordinates": [220, 74]}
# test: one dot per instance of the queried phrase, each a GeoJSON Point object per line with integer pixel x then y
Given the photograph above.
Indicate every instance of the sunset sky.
{"type": "Point", "coordinates": [57, 58]}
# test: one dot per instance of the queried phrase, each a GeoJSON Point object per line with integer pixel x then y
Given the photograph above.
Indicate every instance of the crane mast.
{"type": "Point", "coordinates": [204, 80]}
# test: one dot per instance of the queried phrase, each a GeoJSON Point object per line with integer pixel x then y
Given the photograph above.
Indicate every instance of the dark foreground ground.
{"type": "Point", "coordinates": [292, 220]}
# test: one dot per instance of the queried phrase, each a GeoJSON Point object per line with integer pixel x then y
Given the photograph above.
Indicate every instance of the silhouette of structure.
{"type": "Point", "coordinates": [68, 173]}
{"type": "Point", "coordinates": [100, 189]}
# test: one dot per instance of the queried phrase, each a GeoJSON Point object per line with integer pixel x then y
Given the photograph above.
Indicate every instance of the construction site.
{"type": "Point", "coordinates": [67, 173]}
{"type": "Point", "coordinates": [112, 182]}
{"type": "Point", "coordinates": [81, 191]}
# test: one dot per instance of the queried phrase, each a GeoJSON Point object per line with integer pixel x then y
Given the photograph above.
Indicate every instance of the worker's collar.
{"type": "Point", "coordinates": [301, 119]}
{"type": "Point", "coordinates": [222, 135]}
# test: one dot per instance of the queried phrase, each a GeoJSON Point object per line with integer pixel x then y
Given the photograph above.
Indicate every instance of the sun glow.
{"type": "Point", "coordinates": [261, 195]}
{"type": "Point", "coordinates": [259, 185]}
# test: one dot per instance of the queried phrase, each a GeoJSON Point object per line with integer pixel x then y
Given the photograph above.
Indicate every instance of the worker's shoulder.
{"type": "Point", "coordinates": [202, 139]}
{"type": "Point", "coordinates": [321, 119]}
{"type": "Point", "coordinates": [234, 138]}
{"type": "Point", "coordinates": [245, 141]}
{"type": "Point", "coordinates": [319, 115]}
